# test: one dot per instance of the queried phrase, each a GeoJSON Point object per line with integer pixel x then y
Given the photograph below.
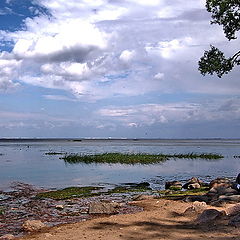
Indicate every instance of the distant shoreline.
{"type": "Point", "coordinates": [113, 139]}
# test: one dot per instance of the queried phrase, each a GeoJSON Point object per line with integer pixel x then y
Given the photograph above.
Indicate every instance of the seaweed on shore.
{"type": "Point", "coordinates": [70, 192]}
{"type": "Point", "coordinates": [133, 158]}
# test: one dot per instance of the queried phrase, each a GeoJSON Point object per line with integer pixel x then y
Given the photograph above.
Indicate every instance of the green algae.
{"type": "Point", "coordinates": [70, 192]}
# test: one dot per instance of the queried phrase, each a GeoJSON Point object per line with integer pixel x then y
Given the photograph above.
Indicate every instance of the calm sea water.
{"type": "Point", "coordinates": [26, 161]}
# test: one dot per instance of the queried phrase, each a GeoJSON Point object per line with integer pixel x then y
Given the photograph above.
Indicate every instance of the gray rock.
{"type": "Point", "coordinates": [235, 221]}
{"type": "Point", "coordinates": [232, 198]}
{"type": "Point", "coordinates": [33, 225]}
{"type": "Point", "coordinates": [234, 210]}
{"type": "Point", "coordinates": [173, 185]}
{"type": "Point", "coordinates": [208, 215]}
{"type": "Point", "coordinates": [223, 182]}
{"type": "Point", "coordinates": [101, 208]}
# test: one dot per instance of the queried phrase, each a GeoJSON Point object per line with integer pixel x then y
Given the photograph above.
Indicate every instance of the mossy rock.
{"type": "Point", "coordinates": [70, 192]}
{"type": "Point", "coordinates": [131, 187]}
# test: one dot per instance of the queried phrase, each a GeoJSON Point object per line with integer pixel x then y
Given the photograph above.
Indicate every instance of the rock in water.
{"type": "Point", "coordinates": [101, 208]}
{"type": "Point", "coordinates": [174, 185]}
{"type": "Point", "coordinates": [193, 183]}
{"type": "Point", "coordinates": [220, 182]}
{"type": "Point", "coordinates": [33, 225]}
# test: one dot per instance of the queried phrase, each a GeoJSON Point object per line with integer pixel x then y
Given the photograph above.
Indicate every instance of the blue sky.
{"type": "Point", "coordinates": [110, 68]}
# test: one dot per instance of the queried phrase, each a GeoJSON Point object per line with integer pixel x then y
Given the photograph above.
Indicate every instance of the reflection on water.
{"type": "Point", "coordinates": [26, 161]}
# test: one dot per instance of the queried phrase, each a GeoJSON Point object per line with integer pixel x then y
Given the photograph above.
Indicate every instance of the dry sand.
{"type": "Point", "coordinates": [161, 219]}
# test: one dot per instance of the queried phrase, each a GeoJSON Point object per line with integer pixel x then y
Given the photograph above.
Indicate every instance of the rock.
{"type": "Point", "coordinates": [194, 186]}
{"type": "Point", "coordinates": [196, 208]}
{"type": "Point", "coordinates": [232, 198]}
{"type": "Point", "coordinates": [174, 185]}
{"type": "Point", "coordinates": [218, 203]}
{"type": "Point", "coordinates": [59, 207]}
{"type": "Point", "coordinates": [208, 215]}
{"type": "Point", "coordinates": [190, 212]}
{"type": "Point", "coordinates": [193, 183]}
{"type": "Point", "coordinates": [235, 221]}
{"type": "Point", "coordinates": [33, 225]}
{"type": "Point", "coordinates": [233, 211]}
{"type": "Point", "coordinates": [143, 197]}
{"type": "Point", "coordinates": [7, 237]}
{"type": "Point", "coordinates": [199, 206]}
{"type": "Point", "coordinates": [101, 208]}
{"type": "Point", "coordinates": [224, 182]}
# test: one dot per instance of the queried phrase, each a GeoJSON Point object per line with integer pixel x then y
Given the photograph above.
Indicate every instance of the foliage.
{"type": "Point", "coordinates": [70, 192]}
{"type": "Point", "coordinates": [114, 158]}
{"type": "Point", "coordinates": [227, 14]}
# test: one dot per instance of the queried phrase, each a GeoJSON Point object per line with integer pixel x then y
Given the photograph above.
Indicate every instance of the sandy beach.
{"type": "Point", "coordinates": [161, 219]}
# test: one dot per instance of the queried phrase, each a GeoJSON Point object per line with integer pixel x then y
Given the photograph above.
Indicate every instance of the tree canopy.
{"type": "Point", "coordinates": [227, 14]}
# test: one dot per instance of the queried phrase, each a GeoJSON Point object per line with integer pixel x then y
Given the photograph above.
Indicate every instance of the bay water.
{"type": "Point", "coordinates": [25, 160]}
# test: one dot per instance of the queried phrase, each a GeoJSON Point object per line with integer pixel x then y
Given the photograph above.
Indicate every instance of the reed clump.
{"type": "Point", "coordinates": [133, 158]}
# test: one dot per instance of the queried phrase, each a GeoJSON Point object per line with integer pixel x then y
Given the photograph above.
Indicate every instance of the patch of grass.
{"type": "Point", "coordinates": [138, 187]}
{"type": "Point", "coordinates": [1, 211]}
{"type": "Point", "coordinates": [70, 192]}
{"type": "Point", "coordinates": [55, 153]}
{"type": "Point", "coordinates": [127, 158]}
{"type": "Point", "coordinates": [172, 194]}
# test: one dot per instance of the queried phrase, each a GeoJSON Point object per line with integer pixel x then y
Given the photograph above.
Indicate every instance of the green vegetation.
{"type": "Point", "coordinates": [179, 194]}
{"type": "Point", "coordinates": [71, 192]}
{"type": "Point", "coordinates": [113, 158]}
{"type": "Point", "coordinates": [1, 211]}
{"type": "Point", "coordinates": [140, 187]}
{"type": "Point", "coordinates": [55, 153]}
{"type": "Point", "coordinates": [227, 14]}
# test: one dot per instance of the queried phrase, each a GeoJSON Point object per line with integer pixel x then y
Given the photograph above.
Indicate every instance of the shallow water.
{"type": "Point", "coordinates": [25, 161]}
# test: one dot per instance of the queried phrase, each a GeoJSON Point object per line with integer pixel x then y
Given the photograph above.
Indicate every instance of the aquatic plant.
{"type": "Point", "coordinates": [70, 192]}
{"type": "Point", "coordinates": [55, 153]}
{"type": "Point", "coordinates": [133, 158]}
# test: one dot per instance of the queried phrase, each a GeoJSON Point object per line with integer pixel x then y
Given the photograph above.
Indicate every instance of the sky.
{"type": "Point", "coordinates": [113, 68]}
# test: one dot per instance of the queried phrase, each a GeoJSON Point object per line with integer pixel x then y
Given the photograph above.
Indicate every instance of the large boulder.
{"type": "Point", "coordinates": [232, 198]}
{"type": "Point", "coordinates": [208, 215]}
{"type": "Point", "coordinates": [193, 183]}
{"type": "Point", "coordinates": [196, 208]}
{"type": "Point", "coordinates": [173, 185]}
{"type": "Point", "coordinates": [101, 208]}
{"type": "Point", "coordinates": [220, 182]}
{"type": "Point", "coordinates": [234, 210]}
{"type": "Point", "coordinates": [33, 225]}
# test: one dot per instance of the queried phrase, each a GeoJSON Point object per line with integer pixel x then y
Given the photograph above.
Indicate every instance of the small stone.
{"type": "Point", "coordinates": [190, 212]}
{"type": "Point", "coordinates": [33, 225]}
{"type": "Point", "coordinates": [199, 206]}
{"type": "Point", "coordinates": [59, 207]}
{"type": "Point", "coordinates": [7, 237]}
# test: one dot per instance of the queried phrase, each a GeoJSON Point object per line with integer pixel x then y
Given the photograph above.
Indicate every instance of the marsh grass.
{"type": "Point", "coordinates": [132, 158]}
{"type": "Point", "coordinates": [55, 153]}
